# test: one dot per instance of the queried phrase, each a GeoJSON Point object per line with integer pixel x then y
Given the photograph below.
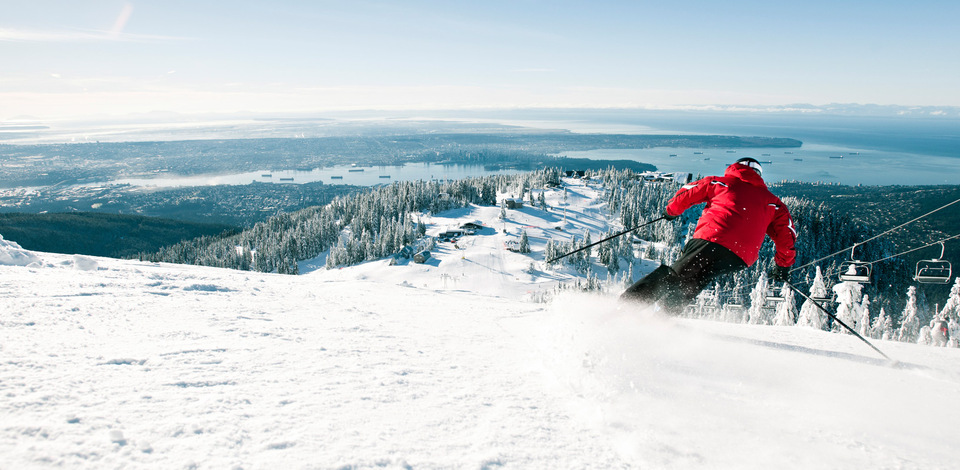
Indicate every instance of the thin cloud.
{"type": "Point", "coordinates": [57, 36]}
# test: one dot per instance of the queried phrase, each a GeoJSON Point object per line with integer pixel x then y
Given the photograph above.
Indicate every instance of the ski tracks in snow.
{"type": "Point", "coordinates": [109, 364]}
{"type": "Point", "coordinates": [675, 393]}
{"type": "Point", "coordinates": [131, 364]}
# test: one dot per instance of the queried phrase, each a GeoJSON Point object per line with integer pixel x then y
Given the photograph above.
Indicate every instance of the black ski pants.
{"type": "Point", "coordinates": [676, 286]}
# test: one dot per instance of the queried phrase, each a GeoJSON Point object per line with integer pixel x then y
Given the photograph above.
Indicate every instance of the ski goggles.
{"type": "Point", "coordinates": [752, 164]}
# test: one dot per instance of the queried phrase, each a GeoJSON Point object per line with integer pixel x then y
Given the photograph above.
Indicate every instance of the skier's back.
{"type": "Point", "coordinates": [740, 212]}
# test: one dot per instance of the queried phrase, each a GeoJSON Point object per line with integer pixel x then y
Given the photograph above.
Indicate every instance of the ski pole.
{"type": "Point", "coordinates": [605, 239]}
{"type": "Point", "coordinates": [834, 317]}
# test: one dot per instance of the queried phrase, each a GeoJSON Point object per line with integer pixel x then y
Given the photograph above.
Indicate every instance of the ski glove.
{"type": "Point", "coordinates": [780, 274]}
{"type": "Point", "coordinates": [667, 216]}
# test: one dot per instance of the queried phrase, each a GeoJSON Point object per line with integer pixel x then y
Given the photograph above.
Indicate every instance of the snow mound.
{"type": "Point", "coordinates": [11, 254]}
{"type": "Point", "coordinates": [85, 263]}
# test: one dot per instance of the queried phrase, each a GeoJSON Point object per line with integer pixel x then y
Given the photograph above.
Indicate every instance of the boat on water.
{"type": "Point", "coordinates": [705, 159]}
{"type": "Point", "coordinates": [286, 179]}
{"type": "Point", "coordinates": [336, 177]}
{"type": "Point", "coordinates": [354, 170]}
{"type": "Point", "coordinates": [673, 155]}
{"type": "Point", "coordinates": [798, 159]}
{"type": "Point", "coordinates": [731, 151]}
{"type": "Point", "coordinates": [266, 175]}
{"type": "Point", "coordinates": [385, 176]}
{"type": "Point", "coordinates": [788, 153]}
{"type": "Point", "coordinates": [765, 155]}
{"type": "Point", "coordinates": [836, 156]}
{"type": "Point", "coordinates": [698, 153]}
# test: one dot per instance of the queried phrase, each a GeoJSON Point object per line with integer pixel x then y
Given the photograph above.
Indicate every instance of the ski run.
{"type": "Point", "coordinates": [452, 363]}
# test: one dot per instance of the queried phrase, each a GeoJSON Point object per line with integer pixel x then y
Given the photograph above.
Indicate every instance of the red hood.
{"type": "Point", "coordinates": [744, 173]}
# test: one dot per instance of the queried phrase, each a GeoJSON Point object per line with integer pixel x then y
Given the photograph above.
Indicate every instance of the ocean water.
{"type": "Point", "coordinates": [874, 150]}
{"type": "Point", "coordinates": [809, 163]}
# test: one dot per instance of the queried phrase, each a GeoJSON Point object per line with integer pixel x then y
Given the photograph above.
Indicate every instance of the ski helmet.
{"type": "Point", "coordinates": [752, 163]}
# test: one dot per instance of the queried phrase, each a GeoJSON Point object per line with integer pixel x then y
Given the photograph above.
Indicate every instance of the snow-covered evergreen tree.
{"type": "Point", "coordinates": [882, 327]}
{"type": "Point", "coordinates": [758, 313]}
{"type": "Point", "coordinates": [786, 313]}
{"type": "Point", "coordinates": [524, 242]}
{"type": "Point", "coordinates": [951, 309]}
{"type": "Point", "coordinates": [953, 330]}
{"type": "Point", "coordinates": [848, 305]}
{"type": "Point", "coordinates": [551, 251]}
{"type": "Point", "coordinates": [613, 263]}
{"type": "Point", "coordinates": [909, 321]}
{"type": "Point", "coordinates": [863, 323]}
{"type": "Point", "coordinates": [923, 337]}
{"type": "Point", "coordinates": [810, 315]}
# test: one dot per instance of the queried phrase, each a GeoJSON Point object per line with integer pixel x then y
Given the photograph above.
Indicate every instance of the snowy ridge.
{"type": "Point", "coordinates": [112, 363]}
{"type": "Point", "coordinates": [12, 254]}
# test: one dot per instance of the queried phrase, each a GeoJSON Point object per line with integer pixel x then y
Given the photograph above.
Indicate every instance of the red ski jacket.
{"type": "Point", "coordinates": [740, 211]}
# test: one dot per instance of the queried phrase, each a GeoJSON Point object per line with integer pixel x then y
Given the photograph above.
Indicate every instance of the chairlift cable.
{"type": "Point", "coordinates": [876, 236]}
{"type": "Point", "coordinates": [915, 249]}
{"type": "Point", "coordinates": [831, 273]}
{"type": "Point", "coordinates": [952, 237]}
{"type": "Point", "coordinates": [828, 274]}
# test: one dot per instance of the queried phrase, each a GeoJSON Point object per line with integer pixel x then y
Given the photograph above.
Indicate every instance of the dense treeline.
{"type": "Point", "coordinates": [885, 207]}
{"type": "Point", "coordinates": [381, 222]}
{"type": "Point", "coordinates": [111, 235]}
{"type": "Point", "coordinates": [354, 228]}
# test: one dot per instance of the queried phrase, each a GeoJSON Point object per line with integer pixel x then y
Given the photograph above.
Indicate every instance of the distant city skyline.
{"type": "Point", "coordinates": [83, 59]}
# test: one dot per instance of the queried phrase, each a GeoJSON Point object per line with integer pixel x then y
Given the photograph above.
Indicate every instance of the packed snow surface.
{"type": "Point", "coordinates": [121, 364]}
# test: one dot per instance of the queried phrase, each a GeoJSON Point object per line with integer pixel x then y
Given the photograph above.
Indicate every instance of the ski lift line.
{"type": "Point", "coordinates": [952, 237]}
{"type": "Point", "coordinates": [832, 273]}
{"type": "Point", "coordinates": [876, 236]}
{"type": "Point", "coordinates": [917, 248]}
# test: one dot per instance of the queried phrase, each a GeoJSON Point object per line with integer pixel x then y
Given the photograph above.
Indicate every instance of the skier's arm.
{"type": "Point", "coordinates": [689, 195]}
{"type": "Point", "coordinates": [784, 235]}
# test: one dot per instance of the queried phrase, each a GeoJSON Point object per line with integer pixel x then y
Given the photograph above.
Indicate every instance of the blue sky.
{"type": "Point", "coordinates": [84, 58]}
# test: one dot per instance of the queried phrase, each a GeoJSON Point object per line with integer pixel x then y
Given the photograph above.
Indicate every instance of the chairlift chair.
{"type": "Point", "coordinates": [855, 270]}
{"type": "Point", "coordinates": [934, 271]}
{"type": "Point", "coordinates": [774, 295]}
{"type": "Point", "coordinates": [822, 300]}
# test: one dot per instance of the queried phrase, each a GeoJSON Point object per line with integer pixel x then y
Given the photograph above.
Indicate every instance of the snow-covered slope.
{"type": "Point", "coordinates": [109, 363]}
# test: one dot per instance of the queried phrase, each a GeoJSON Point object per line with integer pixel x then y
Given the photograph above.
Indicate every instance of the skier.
{"type": "Point", "coordinates": [939, 332]}
{"type": "Point", "coordinates": [740, 211]}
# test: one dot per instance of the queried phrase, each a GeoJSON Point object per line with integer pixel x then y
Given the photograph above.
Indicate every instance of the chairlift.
{"type": "Point", "coordinates": [822, 300]}
{"type": "Point", "coordinates": [855, 270]}
{"type": "Point", "coordinates": [934, 271]}
{"type": "Point", "coordinates": [774, 295]}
